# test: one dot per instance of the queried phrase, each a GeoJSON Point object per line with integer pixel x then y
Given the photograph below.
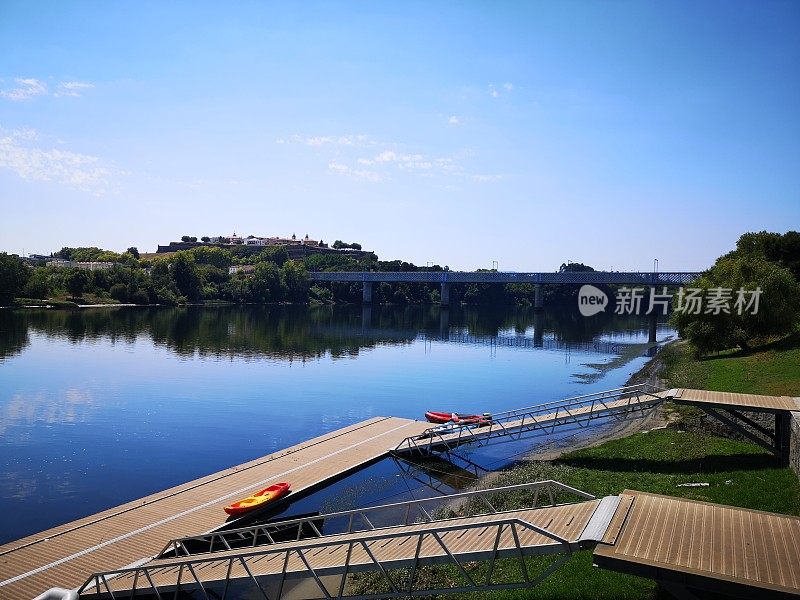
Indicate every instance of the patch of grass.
{"type": "Point", "coordinates": [771, 369]}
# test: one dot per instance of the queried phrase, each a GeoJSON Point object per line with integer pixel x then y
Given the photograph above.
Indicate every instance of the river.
{"type": "Point", "coordinates": [102, 406]}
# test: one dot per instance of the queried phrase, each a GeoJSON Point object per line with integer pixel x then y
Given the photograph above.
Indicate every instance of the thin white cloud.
{"type": "Point", "coordinates": [79, 171]}
{"type": "Point", "coordinates": [485, 178]}
{"type": "Point", "coordinates": [496, 92]}
{"type": "Point", "coordinates": [359, 174]}
{"type": "Point", "coordinates": [386, 160]}
{"type": "Point", "coordinates": [318, 141]}
{"type": "Point", "coordinates": [453, 120]}
{"type": "Point", "coordinates": [72, 88]}
{"type": "Point", "coordinates": [24, 89]}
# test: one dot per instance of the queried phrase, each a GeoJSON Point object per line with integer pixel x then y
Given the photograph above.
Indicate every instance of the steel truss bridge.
{"type": "Point", "coordinates": [447, 278]}
{"type": "Point", "coordinates": [641, 278]}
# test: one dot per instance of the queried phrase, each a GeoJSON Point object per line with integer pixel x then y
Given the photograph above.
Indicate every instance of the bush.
{"type": "Point", "coordinates": [38, 285]}
{"type": "Point", "coordinates": [119, 292]}
{"type": "Point", "coordinates": [166, 296]}
{"type": "Point", "coordinates": [778, 310]}
{"type": "Point", "coordinates": [140, 297]}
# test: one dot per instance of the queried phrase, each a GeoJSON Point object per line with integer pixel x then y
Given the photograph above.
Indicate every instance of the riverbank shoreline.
{"type": "Point", "coordinates": [658, 418]}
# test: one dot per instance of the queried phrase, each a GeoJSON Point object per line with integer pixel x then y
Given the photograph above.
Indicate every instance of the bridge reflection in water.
{"type": "Point", "coordinates": [461, 335]}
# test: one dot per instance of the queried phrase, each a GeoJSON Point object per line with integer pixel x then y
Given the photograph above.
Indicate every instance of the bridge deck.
{"type": "Point", "coordinates": [120, 536]}
{"type": "Point", "coordinates": [708, 546]}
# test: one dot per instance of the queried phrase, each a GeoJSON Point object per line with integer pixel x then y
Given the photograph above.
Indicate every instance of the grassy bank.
{"type": "Point", "coordinates": [738, 473]}
{"type": "Point", "coordinates": [773, 369]}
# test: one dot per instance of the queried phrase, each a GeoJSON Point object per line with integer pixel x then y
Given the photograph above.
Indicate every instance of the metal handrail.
{"type": "Point", "coordinates": [640, 387]}
{"type": "Point", "coordinates": [245, 557]}
{"type": "Point", "coordinates": [224, 538]}
{"type": "Point", "coordinates": [537, 417]}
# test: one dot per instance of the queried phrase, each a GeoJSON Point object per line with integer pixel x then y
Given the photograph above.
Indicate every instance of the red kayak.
{"type": "Point", "coordinates": [441, 417]}
{"type": "Point", "coordinates": [259, 499]}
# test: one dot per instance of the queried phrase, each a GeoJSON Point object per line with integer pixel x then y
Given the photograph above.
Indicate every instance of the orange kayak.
{"type": "Point", "coordinates": [259, 499]}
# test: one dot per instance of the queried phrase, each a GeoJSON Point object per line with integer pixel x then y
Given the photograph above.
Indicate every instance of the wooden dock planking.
{"type": "Point", "coordinates": [707, 546]}
{"type": "Point", "coordinates": [750, 402]}
{"type": "Point", "coordinates": [138, 530]}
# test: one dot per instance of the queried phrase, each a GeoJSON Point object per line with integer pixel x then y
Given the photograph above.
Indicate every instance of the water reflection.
{"type": "Point", "coordinates": [284, 332]}
{"type": "Point", "coordinates": [102, 406]}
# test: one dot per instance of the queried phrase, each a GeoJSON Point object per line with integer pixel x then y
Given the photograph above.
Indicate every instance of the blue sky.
{"type": "Point", "coordinates": [609, 133]}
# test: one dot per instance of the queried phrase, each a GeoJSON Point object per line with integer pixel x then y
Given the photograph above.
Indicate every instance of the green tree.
{"type": "Point", "coordinates": [38, 285]}
{"type": "Point", "coordinates": [783, 249]}
{"type": "Point", "coordinates": [185, 276]}
{"type": "Point", "coordinates": [295, 281]}
{"type": "Point", "coordinates": [211, 255]}
{"type": "Point", "coordinates": [119, 291]}
{"type": "Point", "coordinates": [778, 305]}
{"type": "Point", "coordinates": [134, 251]}
{"type": "Point", "coordinates": [205, 239]}
{"type": "Point", "coordinates": [13, 276]}
{"type": "Point", "coordinates": [265, 284]}
{"type": "Point", "coordinates": [76, 281]}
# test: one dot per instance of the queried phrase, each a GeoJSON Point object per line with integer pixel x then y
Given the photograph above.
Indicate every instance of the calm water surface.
{"type": "Point", "coordinates": [101, 406]}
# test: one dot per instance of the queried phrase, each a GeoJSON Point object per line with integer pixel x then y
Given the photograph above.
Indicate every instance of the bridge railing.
{"type": "Point", "coordinates": [544, 418]}
{"type": "Point", "coordinates": [426, 510]}
{"type": "Point", "coordinates": [640, 278]}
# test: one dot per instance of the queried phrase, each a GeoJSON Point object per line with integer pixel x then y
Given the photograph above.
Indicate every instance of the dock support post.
{"type": "Point", "coordinates": [444, 297]}
{"type": "Point", "coordinates": [366, 297]}
{"type": "Point", "coordinates": [782, 435]}
{"type": "Point", "coordinates": [538, 300]}
{"type": "Point", "coordinates": [652, 323]}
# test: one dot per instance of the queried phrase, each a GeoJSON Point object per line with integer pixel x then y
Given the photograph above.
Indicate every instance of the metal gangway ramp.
{"type": "Point", "coordinates": [580, 411]}
{"type": "Point", "coordinates": [460, 542]}
{"type": "Point", "coordinates": [618, 404]}
{"type": "Point", "coordinates": [464, 531]}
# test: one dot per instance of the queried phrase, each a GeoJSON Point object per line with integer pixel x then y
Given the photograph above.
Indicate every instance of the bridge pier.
{"type": "Point", "coordinates": [652, 323]}
{"type": "Point", "coordinates": [538, 300]}
{"type": "Point", "coordinates": [444, 297]}
{"type": "Point", "coordinates": [366, 296]}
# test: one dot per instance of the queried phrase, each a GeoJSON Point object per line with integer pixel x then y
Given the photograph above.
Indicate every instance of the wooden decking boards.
{"type": "Point", "coordinates": [753, 402]}
{"type": "Point", "coordinates": [65, 555]}
{"type": "Point", "coordinates": [709, 546]}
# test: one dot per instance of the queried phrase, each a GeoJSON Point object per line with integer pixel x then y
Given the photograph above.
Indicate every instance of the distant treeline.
{"type": "Point", "coordinates": [202, 274]}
